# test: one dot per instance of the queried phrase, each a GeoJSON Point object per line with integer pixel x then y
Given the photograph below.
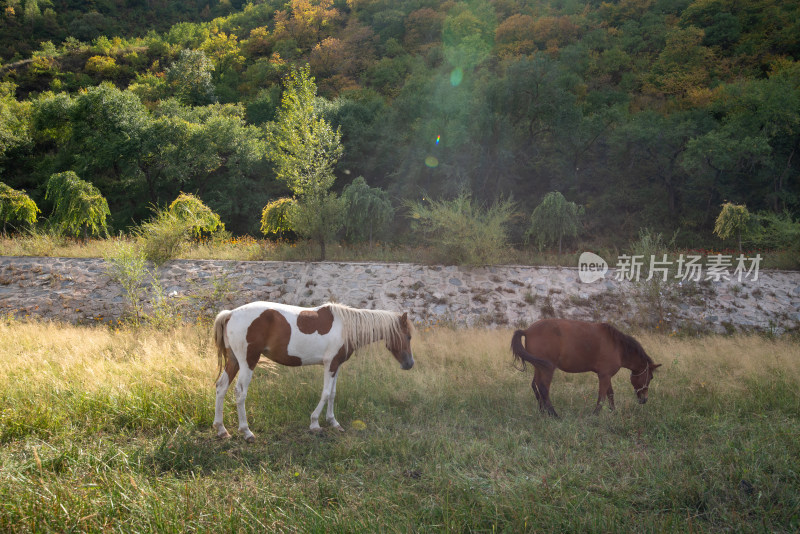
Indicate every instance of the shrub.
{"type": "Point", "coordinates": [126, 265]}
{"type": "Point", "coordinates": [201, 220]}
{"type": "Point", "coordinates": [462, 231]}
{"type": "Point", "coordinates": [164, 236]}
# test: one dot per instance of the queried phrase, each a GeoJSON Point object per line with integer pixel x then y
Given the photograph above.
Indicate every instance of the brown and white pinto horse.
{"type": "Point", "coordinates": [326, 335]}
{"type": "Point", "coordinates": [578, 347]}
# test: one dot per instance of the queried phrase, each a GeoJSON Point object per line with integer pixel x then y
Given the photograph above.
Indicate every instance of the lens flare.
{"type": "Point", "coordinates": [431, 162]}
{"type": "Point", "coordinates": [438, 138]}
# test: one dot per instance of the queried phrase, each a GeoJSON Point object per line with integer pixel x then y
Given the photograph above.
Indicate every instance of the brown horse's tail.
{"type": "Point", "coordinates": [220, 323]}
{"type": "Point", "coordinates": [521, 355]}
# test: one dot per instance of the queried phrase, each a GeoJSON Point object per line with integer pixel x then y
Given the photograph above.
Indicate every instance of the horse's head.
{"type": "Point", "coordinates": [400, 345]}
{"type": "Point", "coordinates": [641, 381]}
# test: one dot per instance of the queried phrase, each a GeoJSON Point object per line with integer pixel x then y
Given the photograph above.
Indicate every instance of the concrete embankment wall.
{"type": "Point", "coordinates": [80, 290]}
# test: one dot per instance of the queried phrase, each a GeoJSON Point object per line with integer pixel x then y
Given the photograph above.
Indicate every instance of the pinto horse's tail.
{"type": "Point", "coordinates": [219, 339]}
{"type": "Point", "coordinates": [522, 355]}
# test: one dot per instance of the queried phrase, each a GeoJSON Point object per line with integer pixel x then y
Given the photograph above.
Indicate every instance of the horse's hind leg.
{"type": "Point", "coordinates": [223, 383]}
{"type": "Point", "coordinates": [245, 375]}
{"type": "Point", "coordinates": [535, 389]}
{"type": "Point", "coordinates": [541, 387]}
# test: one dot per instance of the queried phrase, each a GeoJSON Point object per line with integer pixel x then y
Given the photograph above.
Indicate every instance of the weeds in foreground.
{"type": "Point", "coordinates": [110, 430]}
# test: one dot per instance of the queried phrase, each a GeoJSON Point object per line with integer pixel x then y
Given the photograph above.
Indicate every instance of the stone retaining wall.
{"type": "Point", "coordinates": [80, 291]}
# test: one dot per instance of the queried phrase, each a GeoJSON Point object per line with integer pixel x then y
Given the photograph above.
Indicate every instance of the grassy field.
{"type": "Point", "coordinates": [109, 430]}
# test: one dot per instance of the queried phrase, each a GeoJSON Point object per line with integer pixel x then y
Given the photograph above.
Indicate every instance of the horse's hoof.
{"type": "Point", "coordinates": [340, 428]}
{"type": "Point", "coordinates": [315, 429]}
{"type": "Point", "coordinates": [222, 432]}
{"type": "Point", "coordinates": [250, 439]}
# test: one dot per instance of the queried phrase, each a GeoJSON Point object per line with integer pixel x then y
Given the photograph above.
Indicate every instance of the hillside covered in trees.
{"type": "Point", "coordinates": [648, 113]}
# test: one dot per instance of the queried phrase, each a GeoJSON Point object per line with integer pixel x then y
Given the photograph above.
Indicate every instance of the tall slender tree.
{"type": "Point", "coordinates": [305, 149]}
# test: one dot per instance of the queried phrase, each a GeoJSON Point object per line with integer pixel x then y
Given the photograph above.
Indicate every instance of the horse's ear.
{"type": "Point", "coordinates": [404, 318]}
{"type": "Point", "coordinates": [656, 366]}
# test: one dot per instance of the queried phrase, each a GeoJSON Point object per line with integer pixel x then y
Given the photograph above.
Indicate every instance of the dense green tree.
{"type": "Point", "coordinates": [106, 131]}
{"type": "Point", "coordinates": [14, 121]}
{"type": "Point", "coordinates": [189, 78]}
{"type": "Point", "coordinates": [648, 113]}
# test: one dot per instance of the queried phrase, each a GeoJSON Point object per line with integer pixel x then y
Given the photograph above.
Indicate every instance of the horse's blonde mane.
{"type": "Point", "coordinates": [362, 327]}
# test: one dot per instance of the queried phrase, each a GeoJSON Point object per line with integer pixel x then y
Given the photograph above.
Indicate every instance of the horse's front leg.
{"type": "Point", "coordinates": [331, 419]}
{"type": "Point", "coordinates": [245, 375]}
{"type": "Point", "coordinates": [604, 389]}
{"type": "Point", "coordinates": [328, 383]}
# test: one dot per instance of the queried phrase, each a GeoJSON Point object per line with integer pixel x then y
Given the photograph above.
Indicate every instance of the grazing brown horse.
{"type": "Point", "coordinates": [578, 347]}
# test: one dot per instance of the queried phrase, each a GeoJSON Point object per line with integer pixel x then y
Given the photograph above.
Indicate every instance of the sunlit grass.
{"type": "Point", "coordinates": [109, 429]}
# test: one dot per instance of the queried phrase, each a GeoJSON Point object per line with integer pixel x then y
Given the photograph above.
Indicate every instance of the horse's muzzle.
{"type": "Point", "coordinates": [642, 400]}
{"type": "Point", "coordinates": [408, 362]}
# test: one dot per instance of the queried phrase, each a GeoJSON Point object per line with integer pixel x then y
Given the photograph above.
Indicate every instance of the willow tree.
{"type": "Point", "coordinates": [16, 206]}
{"type": "Point", "coordinates": [732, 221]}
{"type": "Point", "coordinates": [78, 206]}
{"type": "Point", "coordinates": [368, 210]}
{"type": "Point", "coordinates": [276, 217]}
{"type": "Point", "coordinates": [305, 149]}
{"type": "Point", "coordinates": [554, 219]}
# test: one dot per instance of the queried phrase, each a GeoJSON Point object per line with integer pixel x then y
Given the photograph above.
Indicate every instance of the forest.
{"type": "Point", "coordinates": [645, 113]}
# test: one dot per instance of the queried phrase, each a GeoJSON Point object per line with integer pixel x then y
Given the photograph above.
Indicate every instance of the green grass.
{"type": "Point", "coordinates": [109, 430]}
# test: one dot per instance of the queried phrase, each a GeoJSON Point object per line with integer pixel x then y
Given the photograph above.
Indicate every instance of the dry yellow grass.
{"type": "Point", "coordinates": [53, 355]}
